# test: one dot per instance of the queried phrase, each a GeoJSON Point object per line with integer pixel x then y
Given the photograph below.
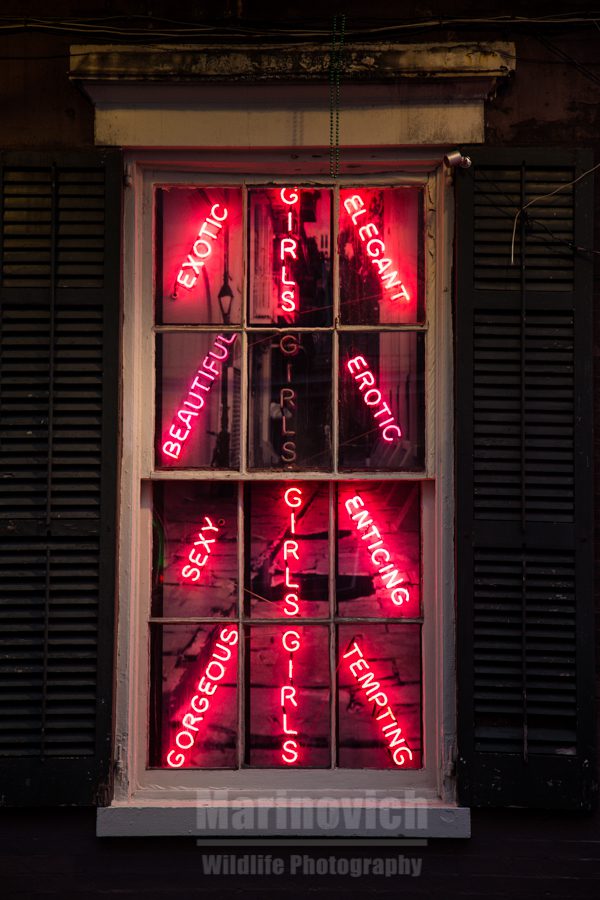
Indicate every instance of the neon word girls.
{"type": "Point", "coordinates": [391, 431]}
{"type": "Point", "coordinates": [290, 640]}
{"type": "Point", "coordinates": [375, 248]}
{"type": "Point", "coordinates": [193, 571]}
{"type": "Point", "coordinates": [202, 247]}
{"type": "Point", "coordinates": [288, 247]}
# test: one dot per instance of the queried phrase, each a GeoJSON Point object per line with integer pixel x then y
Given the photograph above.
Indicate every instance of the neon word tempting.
{"type": "Point", "coordinates": [375, 248]}
{"type": "Point", "coordinates": [202, 247]}
{"type": "Point", "coordinates": [193, 571]}
{"type": "Point", "coordinates": [363, 376]}
{"type": "Point", "coordinates": [200, 702]}
{"type": "Point", "coordinates": [289, 346]}
{"type": "Point", "coordinates": [380, 557]}
{"type": "Point", "coordinates": [288, 247]}
{"type": "Point", "coordinates": [186, 415]}
{"type": "Point", "coordinates": [388, 723]}
{"type": "Point", "coordinates": [290, 640]}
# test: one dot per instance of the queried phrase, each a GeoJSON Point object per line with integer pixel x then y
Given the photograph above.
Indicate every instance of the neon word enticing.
{"type": "Point", "coordinates": [380, 557]}
{"type": "Point", "coordinates": [202, 248]}
{"type": "Point", "coordinates": [193, 571]}
{"type": "Point", "coordinates": [290, 640]}
{"type": "Point", "coordinates": [391, 431]}
{"type": "Point", "coordinates": [194, 401]}
{"type": "Point", "coordinates": [207, 686]}
{"type": "Point", "coordinates": [388, 723]}
{"type": "Point", "coordinates": [289, 346]}
{"type": "Point", "coordinates": [288, 247]}
{"type": "Point", "coordinates": [375, 248]}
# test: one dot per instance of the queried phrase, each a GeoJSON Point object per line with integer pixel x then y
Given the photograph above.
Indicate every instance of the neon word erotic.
{"type": "Point", "coordinates": [388, 723]}
{"type": "Point", "coordinates": [290, 640]}
{"type": "Point", "coordinates": [202, 248]}
{"type": "Point", "coordinates": [375, 248]}
{"type": "Point", "coordinates": [289, 346]}
{"type": "Point", "coordinates": [380, 557]}
{"type": "Point", "coordinates": [191, 406]}
{"type": "Point", "coordinates": [288, 246]}
{"type": "Point", "coordinates": [391, 431]}
{"type": "Point", "coordinates": [207, 687]}
{"type": "Point", "coordinates": [192, 572]}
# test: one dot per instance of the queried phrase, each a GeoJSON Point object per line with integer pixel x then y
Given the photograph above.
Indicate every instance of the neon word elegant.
{"type": "Point", "coordinates": [196, 559]}
{"type": "Point", "coordinates": [288, 250]}
{"type": "Point", "coordinates": [375, 248]}
{"type": "Point", "coordinates": [384, 716]}
{"type": "Point", "coordinates": [186, 416]}
{"type": "Point", "coordinates": [200, 703]}
{"type": "Point", "coordinates": [359, 368]}
{"type": "Point", "coordinates": [290, 640]}
{"type": "Point", "coordinates": [202, 248]}
{"type": "Point", "coordinates": [380, 556]}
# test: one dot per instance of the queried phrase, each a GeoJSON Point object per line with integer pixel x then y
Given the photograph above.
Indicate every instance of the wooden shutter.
{"type": "Point", "coordinates": [59, 283]}
{"type": "Point", "coordinates": [524, 481]}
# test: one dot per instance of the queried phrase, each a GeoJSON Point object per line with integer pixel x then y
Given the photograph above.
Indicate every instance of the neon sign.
{"type": "Point", "coordinates": [290, 640]}
{"type": "Point", "coordinates": [288, 247]}
{"type": "Point", "coordinates": [197, 561]}
{"type": "Point", "coordinates": [391, 431]}
{"type": "Point", "coordinates": [384, 716]}
{"type": "Point", "coordinates": [289, 346]}
{"type": "Point", "coordinates": [189, 409]}
{"type": "Point", "coordinates": [380, 556]}
{"type": "Point", "coordinates": [202, 247]}
{"type": "Point", "coordinates": [200, 702]}
{"type": "Point", "coordinates": [375, 249]}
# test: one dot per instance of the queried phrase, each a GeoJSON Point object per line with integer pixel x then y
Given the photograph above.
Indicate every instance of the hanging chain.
{"type": "Point", "coordinates": [335, 68]}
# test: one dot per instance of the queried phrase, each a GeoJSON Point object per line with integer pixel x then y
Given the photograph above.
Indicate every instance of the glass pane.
{"type": "Point", "coordinates": [199, 261]}
{"type": "Point", "coordinates": [290, 401]}
{"type": "Point", "coordinates": [287, 567]}
{"type": "Point", "coordinates": [193, 703]}
{"type": "Point", "coordinates": [195, 549]}
{"type": "Point", "coordinates": [379, 694]}
{"type": "Point", "coordinates": [381, 256]}
{"type": "Point", "coordinates": [289, 715]}
{"type": "Point", "coordinates": [379, 549]}
{"type": "Point", "coordinates": [198, 400]}
{"type": "Point", "coordinates": [290, 256]}
{"type": "Point", "coordinates": [382, 408]}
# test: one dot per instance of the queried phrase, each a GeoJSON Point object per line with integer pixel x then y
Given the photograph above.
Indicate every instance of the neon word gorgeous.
{"type": "Point", "coordinates": [380, 556]}
{"type": "Point", "coordinates": [358, 367]}
{"type": "Point", "coordinates": [385, 718]}
{"type": "Point", "coordinates": [200, 702]}
{"type": "Point", "coordinates": [375, 248]}
{"type": "Point", "coordinates": [186, 415]}
{"type": "Point", "coordinates": [202, 247]}
{"type": "Point", "coordinates": [192, 572]}
{"type": "Point", "coordinates": [290, 640]}
{"type": "Point", "coordinates": [288, 247]}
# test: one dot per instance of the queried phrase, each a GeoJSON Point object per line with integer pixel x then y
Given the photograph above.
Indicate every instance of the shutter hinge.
{"type": "Point", "coordinates": [128, 175]}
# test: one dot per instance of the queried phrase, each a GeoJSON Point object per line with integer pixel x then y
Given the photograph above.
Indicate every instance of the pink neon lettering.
{"type": "Point", "coordinates": [288, 247]}
{"type": "Point", "coordinates": [201, 248]}
{"type": "Point", "coordinates": [375, 249]}
{"type": "Point", "coordinates": [290, 640]}
{"type": "Point", "coordinates": [190, 572]}
{"type": "Point", "coordinates": [358, 368]}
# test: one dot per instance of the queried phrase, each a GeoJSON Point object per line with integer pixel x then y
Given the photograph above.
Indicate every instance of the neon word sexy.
{"type": "Point", "coordinates": [202, 247]}
{"type": "Point", "coordinates": [363, 376]}
{"type": "Point", "coordinates": [375, 248]}
{"type": "Point", "coordinates": [192, 572]}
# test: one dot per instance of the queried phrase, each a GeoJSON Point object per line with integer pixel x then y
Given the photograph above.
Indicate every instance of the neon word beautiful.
{"type": "Point", "coordinates": [193, 571]}
{"type": "Point", "coordinates": [202, 248]}
{"type": "Point", "coordinates": [365, 379]}
{"type": "Point", "coordinates": [378, 552]}
{"type": "Point", "coordinates": [375, 248]}
{"type": "Point", "coordinates": [191, 406]}
{"type": "Point", "coordinates": [288, 246]}
{"type": "Point", "coordinates": [388, 726]}
{"type": "Point", "coordinates": [290, 640]}
{"type": "Point", "coordinates": [207, 686]}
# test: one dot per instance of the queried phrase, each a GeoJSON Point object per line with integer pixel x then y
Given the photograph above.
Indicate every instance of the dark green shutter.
{"type": "Point", "coordinates": [59, 340]}
{"type": "Point", "coordinates": [525, 607]}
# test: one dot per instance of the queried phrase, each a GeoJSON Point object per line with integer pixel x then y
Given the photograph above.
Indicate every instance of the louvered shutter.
{"type": "Point", "coordinates": [59, 282]}
{"type": "Point", "coordinates": [524, 481]}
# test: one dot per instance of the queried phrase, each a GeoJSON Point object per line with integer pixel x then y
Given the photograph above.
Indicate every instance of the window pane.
{"type": "Point", "coordinates": [198, 400]}
{"type": "Point", "coordinates": [381, 412]}
{"type": "Point", "coordinates": [379, 549]}
{"type": "Point", "coordinates": [195, 549]}
{"type": "Point", "coordinates": [290, 256]}
{"type": "Point", "coordinates": [381, 256]}
{"type": "Point", "coordinates": [289, 717]}
{"type": "Point", "coordinates": [379, 715]}
{"type": "Point", "coordinates": [193, 704]}
{"type": "Point", "coordinates": [290, 401]}
{"type": "Point", "coordinates": [199, 263]}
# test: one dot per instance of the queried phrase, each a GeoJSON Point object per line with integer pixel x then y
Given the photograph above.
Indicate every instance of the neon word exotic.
{"type": "Point", "coordinates": [380, 556]}
{"type": "Point", "coordinates": [288, 247]}
{"type": "Point", "coordinates": [290, 640]}
{"type": "Point", "coordinates": [186, 415]}
{"type": "Point", "coordinates": [363, 376]}
{"type": "Point", "coordinates": [375, 248]}
{"type": "Point", "coordinates": [289, 346]}
{"type": "Point", "coordinates": [202, 247]}
{"type": "Point", "coordinates": [192, 572]}
{"type": "Point", "coordinates": [200, 702]}
{"type": "Point", "coordinates": [387, 721]}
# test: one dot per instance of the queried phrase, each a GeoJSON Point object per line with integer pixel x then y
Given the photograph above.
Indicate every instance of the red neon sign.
{"type": "Point", "coordinates": [202, 248]}
{"type": "Point", "coordinates": [290, 640]}
{"type": "Point", "coordinates": [197, 561]}
{"type": "Point", "coordinates": [375, 249]}
{"type": "Point", "coordinates": [391, 431]}
{"type": "Point", "coordinates": [385, 717]}
{"type": "Point", "coordinates": [288, 247]}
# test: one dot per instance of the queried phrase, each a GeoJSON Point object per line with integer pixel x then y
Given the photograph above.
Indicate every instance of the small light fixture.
{"type": "Point", "coordinates": [456, 160]}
